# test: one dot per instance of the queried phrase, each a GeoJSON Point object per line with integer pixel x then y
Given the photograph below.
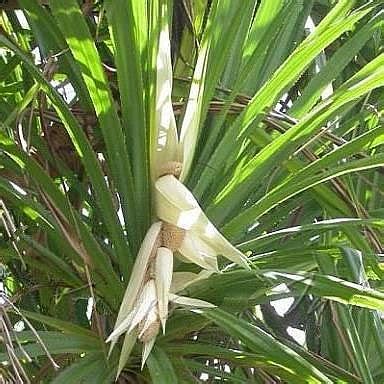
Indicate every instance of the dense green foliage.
{"type": "Point", "coordinates": [284, 153]}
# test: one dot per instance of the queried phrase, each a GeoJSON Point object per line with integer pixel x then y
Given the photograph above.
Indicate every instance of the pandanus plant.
{"type": "Point", "coordinates": [170, 169]}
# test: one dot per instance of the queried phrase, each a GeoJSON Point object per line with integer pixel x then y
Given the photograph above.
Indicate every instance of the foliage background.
{"type": "Point", "coordinates": [288, 163]}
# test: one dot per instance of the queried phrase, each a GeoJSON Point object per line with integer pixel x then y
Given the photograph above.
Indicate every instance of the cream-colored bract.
{"type": "Point", "coordinates": [163, 279]}
{"type": "Point", "coordinates": [148, 246]}
{"type": "Point", "coordinates": [175, 204]}
{"type": "Point", "coordinates": [197, 251]}
{"type": "Point", "coordinates": [149, 298]}
{"type": "Point", "coordinates": [165, 143]}
{"type": "Point", "coordinates": [145, 302]}
{"type": "Point", "coordinates": [190, 302]}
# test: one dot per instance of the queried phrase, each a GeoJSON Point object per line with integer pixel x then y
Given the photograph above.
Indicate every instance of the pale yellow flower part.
{"type": "Point", "coordinates": [147, 296]}
{"type": "Point", "coordinates": [165, 145]}
{"type": "Point", "coordinates": [190, 302]}
{"type": "Point", "coordinates": [197, 251]}
{"type": "Point", "coordinates": [128, 344]}
{"type": "Point", "coordinates": [163, 280]}
{"type": "Point", "coordinates": [145, 314]}
{"type": "Point", "coordinates": [145, 302]}
{"type": "Point", "coordinates": [148, 247]}
{"type": "Point", "coordinates": [147, 350]}
{"type": "Point", "coordinates": [151, 319]}
{"type": "Point", "coordinates": [175, 204]}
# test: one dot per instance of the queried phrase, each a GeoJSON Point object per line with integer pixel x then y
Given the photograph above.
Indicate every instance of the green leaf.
{"type": "Point", "coordinates": [160, 367]}
{"type": "Point", "coordinates": [367, 79]}
{"type": "Point", "coordinates": [242, 358]}
{"type": "Point", "coordinates": [282, 360]}
{"type": "Point", "coordinates": [348, 328]}
{"type": "Point", "coordinates": [320, 226]}
{"type": "Point", "coordinates": [61, 325]}
{"type": "Point", "coordinates": [297, 185]}
{"type": "Point", "coordinates": [93, 368]}
{"type": "Point", "coordinates": [330, 287]}
{"type": "Point", "coordinates": [268, 95]}
{"type": "Point", "coordinates": [86, 153]}
{"type": "Point", "coordinates": [334, 66]}
{"type": "Point", "coordinates": [75, 30]}
{"type": "Point", "coordinates": [130, 63]}
{"type": "Point", "coordinates": [55, 342]}
{"type": "Point", "coordinates": [51, 41]}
